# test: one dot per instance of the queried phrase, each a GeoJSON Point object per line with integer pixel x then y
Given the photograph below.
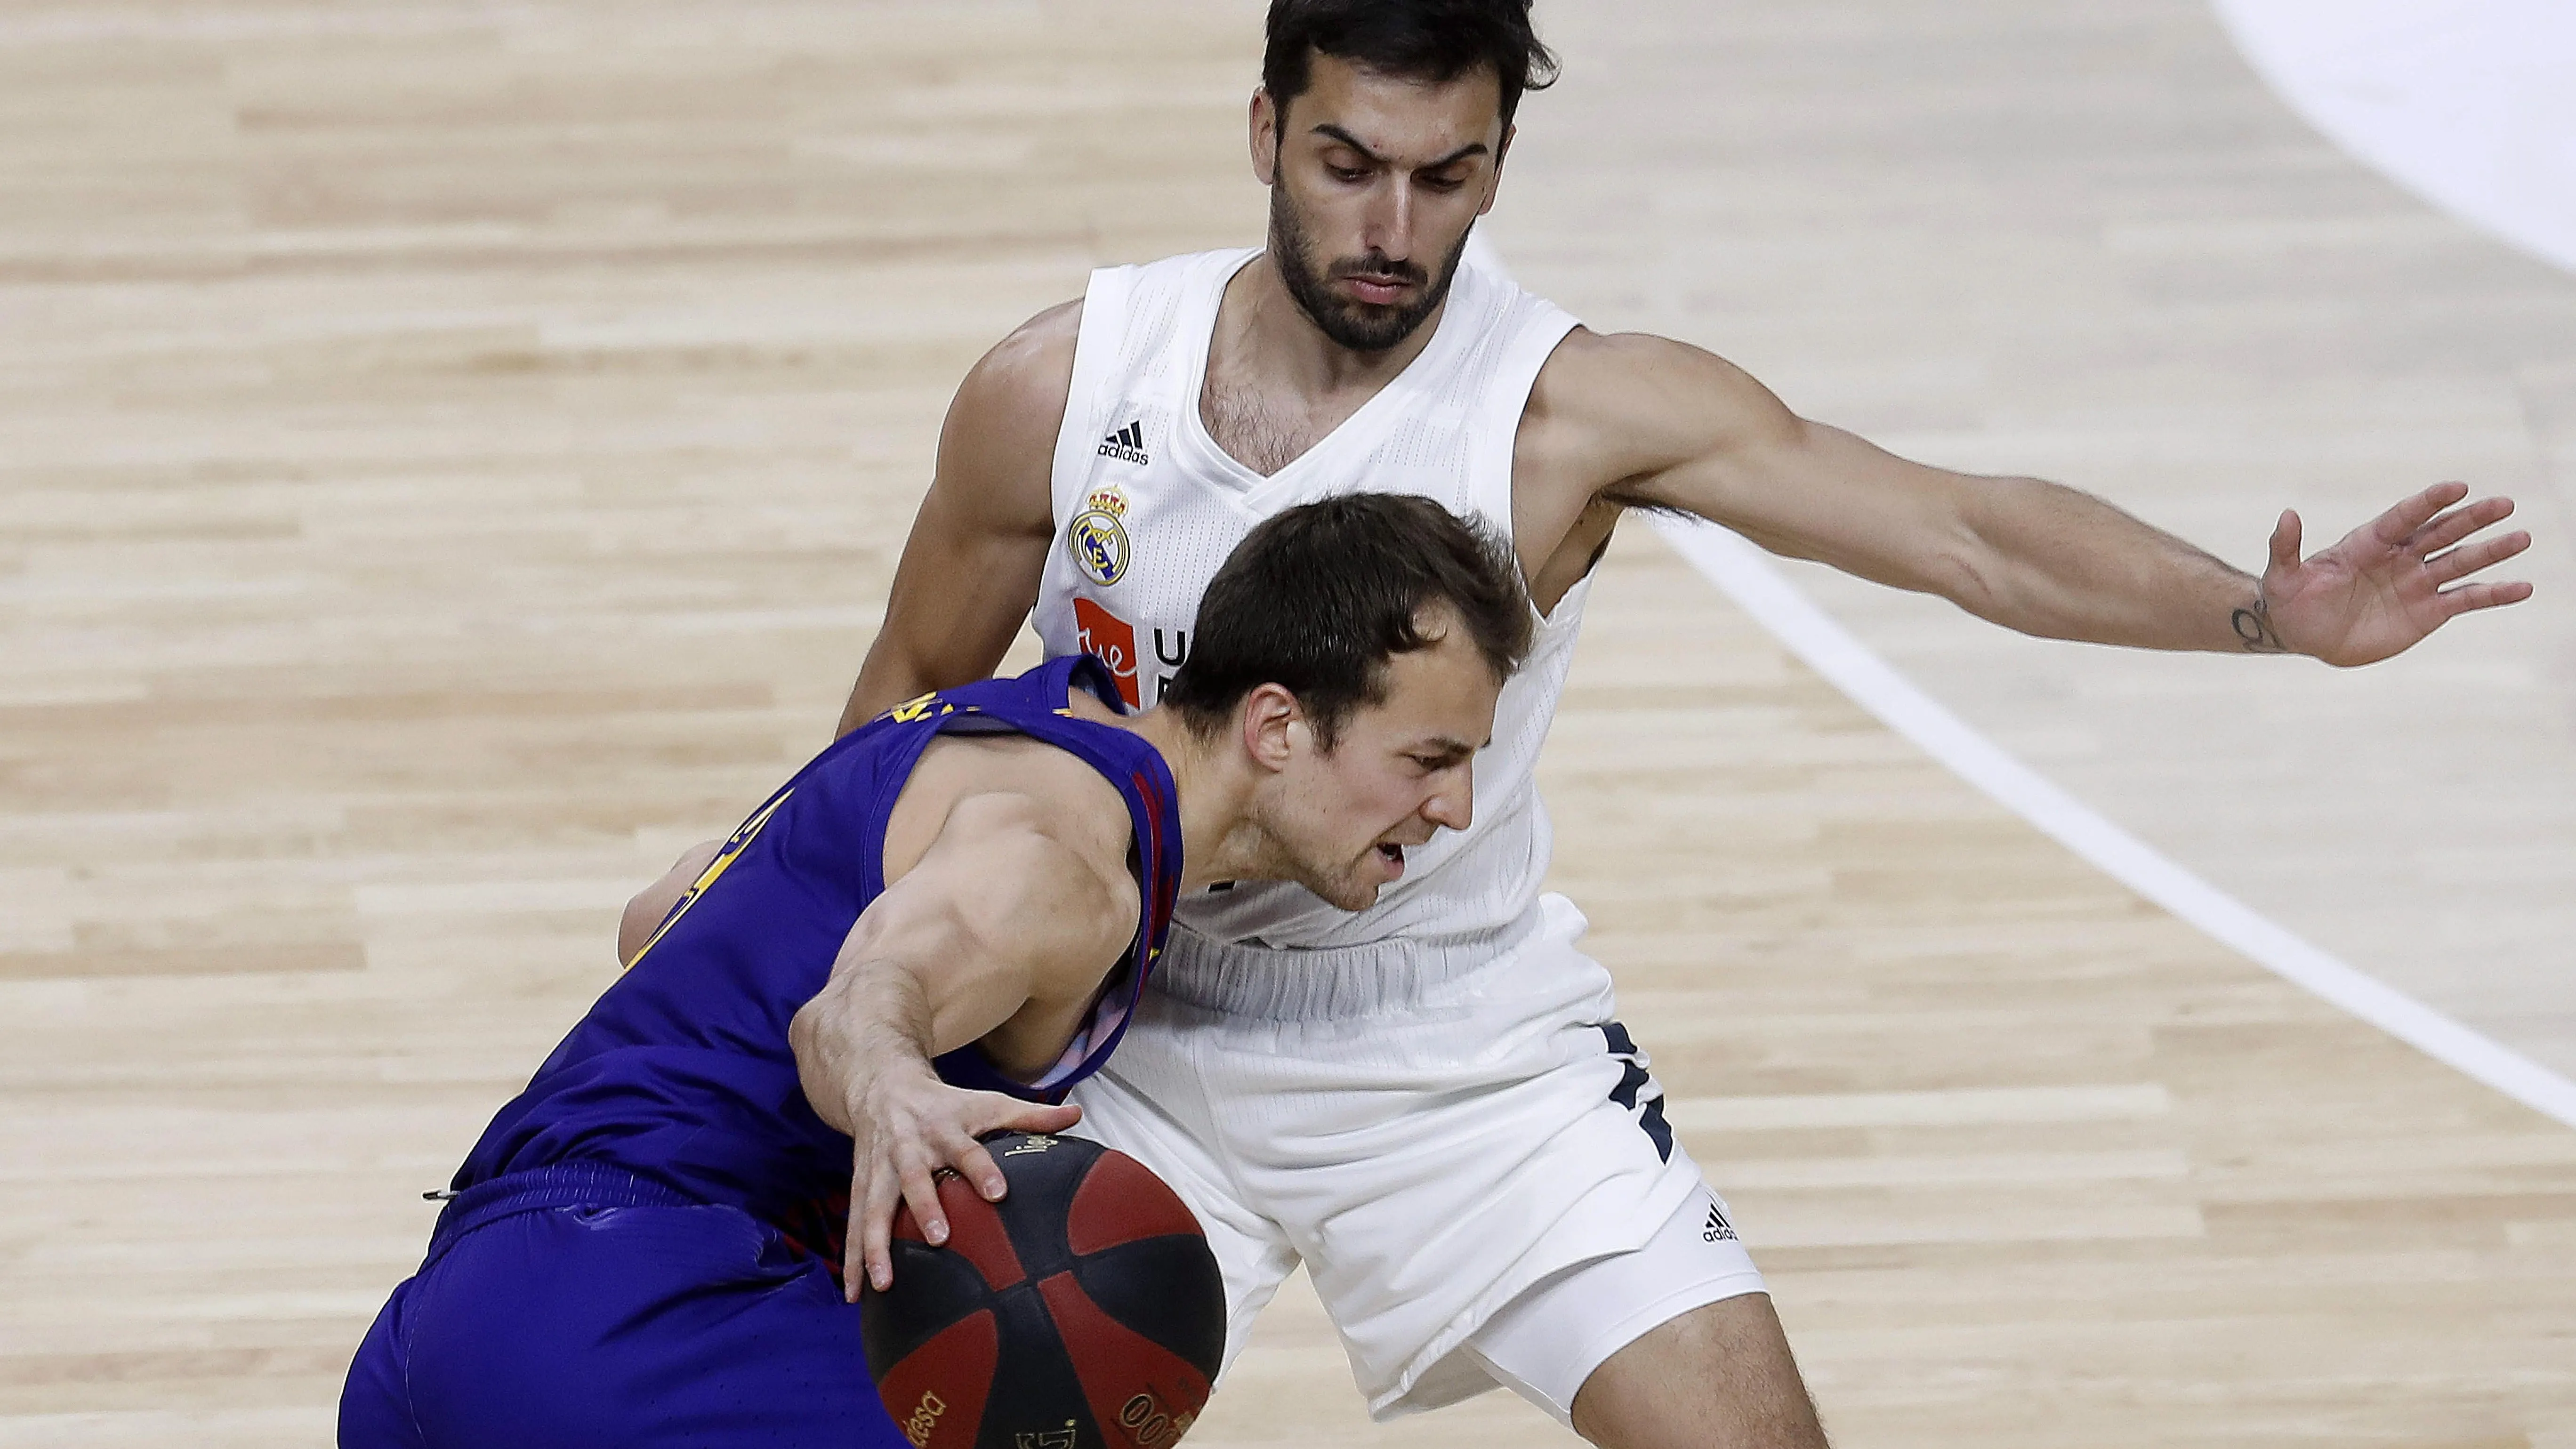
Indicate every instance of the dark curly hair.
{"type": "Point", "coordinates": [1433, 40]}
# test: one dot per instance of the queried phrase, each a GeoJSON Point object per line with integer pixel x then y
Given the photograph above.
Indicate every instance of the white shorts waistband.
{"type": "Point", "coordinates": [1285, 983]}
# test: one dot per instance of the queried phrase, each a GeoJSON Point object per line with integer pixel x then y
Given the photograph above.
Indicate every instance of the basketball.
{"type": "Point", "coordinates": [1082, 1309]}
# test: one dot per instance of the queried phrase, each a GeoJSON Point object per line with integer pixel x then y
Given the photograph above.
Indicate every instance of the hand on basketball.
{"type": "Point", "coordinates": [2389, 582]}
{"type": "Point", "coordinates": [907, 1128]}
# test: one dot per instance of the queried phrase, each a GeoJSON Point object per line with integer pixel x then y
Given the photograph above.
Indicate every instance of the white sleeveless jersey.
{"type": "Point", "coordinates": [1147, 506]}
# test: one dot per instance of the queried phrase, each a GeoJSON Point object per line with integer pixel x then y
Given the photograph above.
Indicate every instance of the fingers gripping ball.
{"type": "Point", "coordinates": [1084, 1309]}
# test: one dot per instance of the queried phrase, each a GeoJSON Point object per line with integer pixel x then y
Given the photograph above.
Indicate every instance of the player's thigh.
{"type": "Point", "coordinates": [1555, 1339]}
{"type": "Point", "coordinates": [636, 1327]}
{"type": "Point", "coordinates": [1719, 1374]}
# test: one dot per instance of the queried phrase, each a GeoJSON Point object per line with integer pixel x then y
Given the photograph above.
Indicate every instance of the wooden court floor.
{"type": "Point", "coordinates": [452, 456]}
{"type": "Point", "coordinates": [2084, 241]}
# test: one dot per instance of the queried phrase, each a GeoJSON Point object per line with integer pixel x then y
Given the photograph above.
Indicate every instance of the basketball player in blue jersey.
{"type": "Point", "coordinates": [1431, 1104]}
{"type": "Point", "coordinates": [934, 930]}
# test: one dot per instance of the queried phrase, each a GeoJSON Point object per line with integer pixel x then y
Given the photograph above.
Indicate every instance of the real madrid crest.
{"type": "Point", "coordinates": [1098, 537]}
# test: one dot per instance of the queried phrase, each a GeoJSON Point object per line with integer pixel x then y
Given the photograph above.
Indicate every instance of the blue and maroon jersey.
{"type": "Point", "coordinates": [682, 1073]}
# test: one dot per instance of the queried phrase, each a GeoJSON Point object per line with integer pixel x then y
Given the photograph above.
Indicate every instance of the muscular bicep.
{"type": "Point", "coordinates": [1691, 432]}
{"type": "Point", "coordinates": [1002, 910]}
{"type": "Point", "coordinates": [970, 567]}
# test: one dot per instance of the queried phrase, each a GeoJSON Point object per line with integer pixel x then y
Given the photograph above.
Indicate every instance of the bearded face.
{"type": "Point", "coordinates": [1376, 182]}
{"type": "Point", "coordinates": [1324, 287]}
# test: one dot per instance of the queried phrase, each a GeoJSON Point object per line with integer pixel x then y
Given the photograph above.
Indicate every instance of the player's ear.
{"type": "Point", "coordinates": [1494, 188]}
{"type": "Point", "coordinates": [1271, 721]}
{"type": "Point", "coordinates": [1265, 138]}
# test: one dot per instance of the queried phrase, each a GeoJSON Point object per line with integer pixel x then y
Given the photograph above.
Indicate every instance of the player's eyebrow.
{"type": "Point", "coordinates": [1447, 748]}
{"type": "Point", "coordinates": [1336, 133]}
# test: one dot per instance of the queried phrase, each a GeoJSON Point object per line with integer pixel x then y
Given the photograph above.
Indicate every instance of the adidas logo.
{"type": "Point", "coordinates": [1718, 1229]}
{"type": "Point", "coordinates": [1127, 445]}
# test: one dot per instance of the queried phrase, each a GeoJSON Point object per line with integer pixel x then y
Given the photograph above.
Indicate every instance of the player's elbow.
{"type": "Point", "coordinates": [651, 906]}
{"type": "Point", "coordinates": [895, 670]}
{"type": "Point", "coordinates": [1984, 556]}
{"type": "Point", "coordinates": [805, 1035]}
{"type": "Point", "coordinates": [1967, 573]}
{"type": "Point", "coordinates": [635, 925]}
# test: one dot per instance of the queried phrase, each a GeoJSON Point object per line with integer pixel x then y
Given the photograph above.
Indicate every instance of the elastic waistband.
{"type": "Point", "coordinates": [557, 1185]}
{"type": "Point", "coordinates": [1285, 983]}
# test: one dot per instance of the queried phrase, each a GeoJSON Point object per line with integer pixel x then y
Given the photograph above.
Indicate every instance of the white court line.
{"type": "Point", "coordinates": [2467, 103]}
{"type": "Point", "coordinates": [1742, 572]}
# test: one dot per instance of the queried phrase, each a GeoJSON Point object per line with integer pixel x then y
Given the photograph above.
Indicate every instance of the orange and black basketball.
{"type": "Point", "coordinates": [1082, 1309]}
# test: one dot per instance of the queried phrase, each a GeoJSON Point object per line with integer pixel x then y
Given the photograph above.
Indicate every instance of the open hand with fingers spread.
{"type": "Point", "coordinates": [906, 1128]}
{"type": "Point", "coordinates": [2388, 584]}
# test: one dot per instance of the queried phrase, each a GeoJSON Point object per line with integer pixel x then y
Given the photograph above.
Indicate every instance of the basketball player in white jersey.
{"type": "Point", "coordinates": [1430, 1102]}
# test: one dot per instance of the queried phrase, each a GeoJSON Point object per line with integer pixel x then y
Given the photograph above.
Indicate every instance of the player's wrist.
{"type": "Point", "coordinates": [2255, 628]}
{"type": "Point", "coordinates": [878, 1092]}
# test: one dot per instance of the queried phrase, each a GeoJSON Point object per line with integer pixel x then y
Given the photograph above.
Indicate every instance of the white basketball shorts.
{"type": "Point", "coordinates": [1435, 1130]}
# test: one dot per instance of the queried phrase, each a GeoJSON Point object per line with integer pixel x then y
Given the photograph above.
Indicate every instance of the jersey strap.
{"type": "Point", "coordinates": [1038, 705]}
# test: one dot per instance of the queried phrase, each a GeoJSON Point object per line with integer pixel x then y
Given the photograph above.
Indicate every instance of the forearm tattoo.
{"type": "Point", "coordinates": [2254, 626]}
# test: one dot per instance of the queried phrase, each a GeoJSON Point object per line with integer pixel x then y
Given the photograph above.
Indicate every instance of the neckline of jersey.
{"type": "Point", "coordinates": [1358, 434]}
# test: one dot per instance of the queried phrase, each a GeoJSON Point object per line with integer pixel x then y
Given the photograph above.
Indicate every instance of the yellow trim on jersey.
{"type": "Point", "coordinates": [913, 711]}
{"type": "Point", "coordinates": [733, 849]}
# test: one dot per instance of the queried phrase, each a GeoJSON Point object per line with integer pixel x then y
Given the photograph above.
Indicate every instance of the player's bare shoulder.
{"type": "Point", "coordinates": [1023, 817]}
{"type": "Point", "coordinates": [1072, 804]}
{"type": "Point", "coordinates": [1048, 857]}
{"type": "Point", "coordinates": [1615, 406]}
{"type": "Point", "coordinates": [1021, 385]}
{"type": "Point", "coordinates": [1001, 429]}
{"type": "Point", "coordinates": [1610, 417]}
{"type": "Point", "coordinates": [1042, 346]}
{"type": "Point", "coordinates": [1575, 444]}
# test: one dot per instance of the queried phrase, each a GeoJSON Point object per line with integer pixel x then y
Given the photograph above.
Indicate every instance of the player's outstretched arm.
{"type": "Point", "coordinates": [1006, 908]}
{"type": "Point", "coordinates": [970, 568]}
{"type": "Point", "coordinates": [1688, 431]}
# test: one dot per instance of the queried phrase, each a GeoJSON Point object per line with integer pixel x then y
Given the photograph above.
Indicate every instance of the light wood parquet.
{"type": "Point", "coordinates": [451, 457]}
{"type": "Point", "coordinates": [2085, 242]}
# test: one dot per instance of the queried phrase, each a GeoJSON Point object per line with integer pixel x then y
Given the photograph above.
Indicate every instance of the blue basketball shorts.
{"type": "Point", "coordinates": [579, 1307]}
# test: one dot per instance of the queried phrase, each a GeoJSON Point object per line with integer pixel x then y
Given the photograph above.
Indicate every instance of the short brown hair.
{"type": "Point", "coordinates": [1321, 597]}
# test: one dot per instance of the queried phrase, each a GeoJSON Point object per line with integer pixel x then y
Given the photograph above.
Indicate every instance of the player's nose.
{"type": "Point", "coordinates": [1453, 805]}
{"type": "Point", "coordinates": [1390, 223]}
